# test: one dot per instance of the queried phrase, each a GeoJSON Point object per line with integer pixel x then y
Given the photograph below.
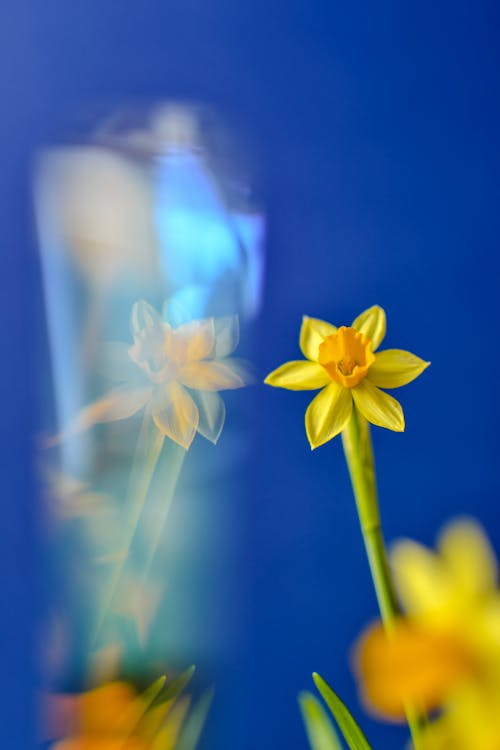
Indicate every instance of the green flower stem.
{"type": "Point", "coordinates": [168, 471]}
{"type": "Point", "coordinates": [359, 456]}
{"type": "Point", "coordinates": [147, 453]}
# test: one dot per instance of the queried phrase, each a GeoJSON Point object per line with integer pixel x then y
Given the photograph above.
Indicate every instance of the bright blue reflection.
{"type": "Point", "coordinates": [211, 258]}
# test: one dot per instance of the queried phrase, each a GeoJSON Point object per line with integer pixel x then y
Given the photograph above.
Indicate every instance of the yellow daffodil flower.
{"type": "Point", "coordinates": [342, 362]}
{"type": "Point", "coordinates": [174, 372]}
{"type": "Point", "coordinates": [445, 652]}
{"type": "Point", "coordinates": [114, 717]}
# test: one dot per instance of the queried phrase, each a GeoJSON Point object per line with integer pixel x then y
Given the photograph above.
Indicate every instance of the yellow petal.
{"type": "Point", "coordinates": [371, 322]}
{"type": "Point", "coordinates": [327, 414]}
{"type": "Point", "coordinates": [117, 404]}
{"type": "Point", "coordinates": [102, 709]}
{"type": "Point", "coordinates": [211, 375]}
{"type": "Point", "coordinates": [193, 341]}
{"type": "Point", "coordinates": [423, 582]}
{"type": "Point", "coordinates": [121, 403]}
{"type": "Point", "coordinates": [378, 407]}
{"type": "Point", "coordinates": [411, 665]}
{"type": "Point", "coordinates": [300, 375]}
{"type": "Point", "coordinates": [395, 367]}
{"type": "Point", "coordinates": [469, 557]}
{"type": "Point", "coordinates": [227, 334]}
{"type": "Point", "coordinates": [312, 333]}
{"type": "Point", "coordinates": [175, 414]}
{"type": "Point", "coordinates": [100, 743]}
{"type": "Point", "coordinates": [212, 414]}
{"type": "Point", "coordinates": [151, 337]}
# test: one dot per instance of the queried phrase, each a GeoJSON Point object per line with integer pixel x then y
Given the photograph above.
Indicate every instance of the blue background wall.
{"type": "Point", "coordinates": [375, 129]}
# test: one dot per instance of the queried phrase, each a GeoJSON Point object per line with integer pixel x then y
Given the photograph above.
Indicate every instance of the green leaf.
{"type": "Point", "coordinates": [347, 724]}
{"type": "Point", "coordinates": [143, 702]}
{"type": "Point", "coordinates": [148, 696]}
{"type": "Point", "coordinates": [319, 729]}
{"type": "Point", "coordinates": [177, 685]}
{"type": "Point", "coordinates": [193, 727]}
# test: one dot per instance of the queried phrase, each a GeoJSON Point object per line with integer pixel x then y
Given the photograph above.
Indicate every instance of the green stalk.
{"type": "Point", "coordinates": [147, 453]}
{"type": "Point", "coordinates": [359, 456]}
{"type": "Point", "coordinates": [168, 471]}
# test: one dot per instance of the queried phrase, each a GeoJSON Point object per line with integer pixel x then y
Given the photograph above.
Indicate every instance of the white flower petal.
{"type": "Point", "coordinates": [212, 414]}
{"type": "Point", "coordinates": [175, 414]}
{"type": "Point", "coordinates": [193, 341]}
{"type": "Point", "coordinates": [227, 334]}
{"type": "Point", "coordinates": [120, 403]}
{"type": "Point", "coordinates": [212, 375]}
{"type": "Point", "coordinates": [143, 316]}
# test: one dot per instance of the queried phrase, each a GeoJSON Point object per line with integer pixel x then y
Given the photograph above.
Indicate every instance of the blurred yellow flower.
{"type": "Point", "coordinates": [114, 717]}
{"type": "Point", "coordinates": [341, 361]}
{"type": "Point", "coordinates": [445, 652]}
{"type": "Point", "coordinates": [174, 372]}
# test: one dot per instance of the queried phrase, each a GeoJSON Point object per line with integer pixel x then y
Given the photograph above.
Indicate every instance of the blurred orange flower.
{"type": "Point", "coordinates": [114, 717]}
{"type": "Point", "coordinates": [445, 652]}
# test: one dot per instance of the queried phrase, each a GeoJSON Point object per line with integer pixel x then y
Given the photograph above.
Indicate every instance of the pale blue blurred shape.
{"type": "Point", "coordinates": [197, 242]}
{"type": "Point", "coordinates": [61, 314]}
{"type": "Point", "coordinates": [251, 230]}
{"type": "Point", "coordinates": [211, 258]}
{"type": "Point", "coordinates": [188, 303]}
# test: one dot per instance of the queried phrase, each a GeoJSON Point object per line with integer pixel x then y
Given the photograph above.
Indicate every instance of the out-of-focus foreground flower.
{"type": "Point", "coordinates": [174, 372]}
{"type": "Point", "coordinates": [445, 652]}
{"type": "Point", "coordinates": [114, 717]}
{"type": "Point", "coordinates": [341, 361]}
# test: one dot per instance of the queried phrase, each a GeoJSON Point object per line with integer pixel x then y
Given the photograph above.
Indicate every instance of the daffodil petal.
{"type": "Point", "coordinates": [312, 333]}
{"type": "Point", "coordinates": [371, 322]}
{"type": "Point", "coordinates": [423, 583]}
{"type": "Point", "coordinates": [227, 335]}
{"type": "Point", "coordinates": [175, 414]}
{"type": "Point", "coordinates": [211, 375]}
{"type": "Point", "coordinates": [120, 403]}
{"type": "Point", "coordinates": [193, 341]}
{"type": "Point", "coordinates": [241, 368]}
{"type": "Point", "coordinates": [395, 367]}
{"type": "Point", "coordinates": [411, 665]}
{"type": "Point", "coordinates": [212, 413]}
{"type": "Point", "coordinates": [378, 407]}
{"type": "Point", "coordinates": [82, 742]}
{"type": "Point", "coordinates": [151, 335]}
{"type": "Point", "coordinates": [327, 414]}
{"type": "Point", "coordinates": [143, 316]}
{"type": "Point", "coordinates": [101, 708]}
{"type": "Point", "coordinates": [469, 557]}
{"type": "Point", "coordinates": [300, 375]}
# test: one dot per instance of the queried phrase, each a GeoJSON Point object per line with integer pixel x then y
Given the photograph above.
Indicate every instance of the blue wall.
{"type": "Point", "coordinates": [375, 130]}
